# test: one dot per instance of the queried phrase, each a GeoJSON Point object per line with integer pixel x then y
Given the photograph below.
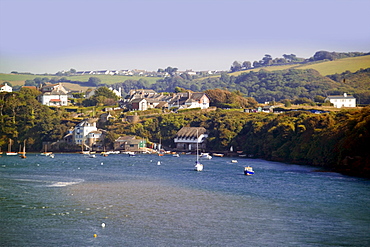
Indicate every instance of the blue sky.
{"type": "Point", "coordinates": [47, 36]}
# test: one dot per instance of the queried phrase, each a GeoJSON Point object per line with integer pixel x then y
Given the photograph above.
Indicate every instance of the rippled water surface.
{"type": "Point", "coordinates": [64, 201]}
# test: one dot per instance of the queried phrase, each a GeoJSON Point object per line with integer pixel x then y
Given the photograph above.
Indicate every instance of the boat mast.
{"type": "Point", "coordinates": [197, 148]}
{"type": "Point", "coordinates": [10, 145]}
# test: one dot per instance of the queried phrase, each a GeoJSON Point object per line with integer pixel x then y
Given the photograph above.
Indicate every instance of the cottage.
{"type": "Point", "coordinates": [54, 95]}
{"type": "Point", "coordinates": [6, 88]}
{"type": "Point", "coordinates": [129, 143]}
{"type": "Point", "coordinates": [340, 101]}
{"type": "Point", "coordinates": [139, 104]}
{"type": "Point", "coordinates": [188, 137]}
{"type": "Point", "coordinates": [190, 100]}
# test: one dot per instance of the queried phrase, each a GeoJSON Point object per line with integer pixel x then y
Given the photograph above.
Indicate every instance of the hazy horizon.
{"type": "Point", "coordinates": [49, 36]}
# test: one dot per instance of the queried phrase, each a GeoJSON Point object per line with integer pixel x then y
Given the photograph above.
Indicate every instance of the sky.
{"type": "Point", "coordinates": [47, 36]}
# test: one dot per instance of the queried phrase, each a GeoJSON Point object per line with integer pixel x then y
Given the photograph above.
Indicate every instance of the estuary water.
{"type": "Point", "coordinates": [63, 201]}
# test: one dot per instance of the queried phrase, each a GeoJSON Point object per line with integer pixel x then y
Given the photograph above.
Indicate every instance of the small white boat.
{"type": "Point", "coordinates": [131, 154]}
{"type": "Point", "coordinates": [92, 156]}
{"type": "Point", "coordinates": [234, 161]}
{"type": "Point", "coordinates": [248, 171]}
{"type": "Point", "coordinates": [51, 156]}
{"type": "Point", "coordinates": [10, 153]}
{"type": "Point", "coordinates": [198, 166]}
{"type": "Point", "coordinates": [176, 155]}
{"type": "Point", "coordinates": [158, 163]}
{"type": "Point", "coordinates": [205, 156]}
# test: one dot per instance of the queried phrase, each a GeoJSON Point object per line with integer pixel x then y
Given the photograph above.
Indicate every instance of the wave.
{"type": "Point", "coordinates": [63, 184]}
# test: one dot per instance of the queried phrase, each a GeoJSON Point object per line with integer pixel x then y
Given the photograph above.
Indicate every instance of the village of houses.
{"type": "Point", "coordinates": [91, 139]}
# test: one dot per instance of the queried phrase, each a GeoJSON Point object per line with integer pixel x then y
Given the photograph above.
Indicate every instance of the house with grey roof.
{"type": "Point", "coordinates": [188, 137]}
{"type": "Point", "coordinates": [340, 101]}
{"type": "Point", "coordinates": [129, 143]}
{"type": "Point", "coordinates": [190, 100]}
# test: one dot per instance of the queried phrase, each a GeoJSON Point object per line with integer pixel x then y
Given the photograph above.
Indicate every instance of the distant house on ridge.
{"type": "Point", "coordinates": [340, 101]}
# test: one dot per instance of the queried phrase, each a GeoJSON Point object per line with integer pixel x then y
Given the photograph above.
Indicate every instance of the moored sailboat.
{"type": "Point", "coordinates": [198, 165]}
{"type": "Point", "coordinates": [23, 154]}
{"type": "Point", "coordinates": [10, 148]}
{"type": "Point", "coordinates": [46, 153]}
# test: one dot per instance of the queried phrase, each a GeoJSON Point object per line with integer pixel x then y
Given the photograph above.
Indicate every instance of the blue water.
{"type": "Point", "coordinates": [64, 201]}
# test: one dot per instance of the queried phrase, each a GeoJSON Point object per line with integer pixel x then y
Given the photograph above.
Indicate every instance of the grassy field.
{"type": "Point", "coordinates": [325, 68]}
{"type": "Point", "coordinates": [352, 64]}
{"type": "Point", "coordinates": [339, 66]}
{"type": "Point", "coordinates": [19, 79]}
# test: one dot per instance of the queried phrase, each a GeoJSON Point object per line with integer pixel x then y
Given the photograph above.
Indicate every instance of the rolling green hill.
{"type": "Point", "coordinates": [19, 79]}
{"type": "Point", "coordinates": [325, 68]}
{"type": "Point", "coordinates": [352, 64]}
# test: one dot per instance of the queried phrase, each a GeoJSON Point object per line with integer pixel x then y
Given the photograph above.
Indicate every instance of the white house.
{"type": "Point", "coordinates": [190, 100]}
{"type": "Point", "coordinates": [340, 101]}
{"type": "Point", "coordinates": [117, 92]}
{"type": "Point", "coordinates": [188, 137]}
{"type": "Point", "coordinates": [54, 99]}
{"type": "Point", "coordinates": [6, 88]}
{"type": "Point", "coordinates": [82, 130]}
{"type": "Point", "coordinates": [54, 95]}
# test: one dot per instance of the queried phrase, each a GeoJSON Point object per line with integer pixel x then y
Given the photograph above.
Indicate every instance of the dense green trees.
{"type": "Point", "coordinates": [102, 96]}
{"type": "Point", "coordinates": [225, 99]}
{"type": "Point", "coordinates": [336, 140]}
{"type": "Point", "coordinates": [23, 117]}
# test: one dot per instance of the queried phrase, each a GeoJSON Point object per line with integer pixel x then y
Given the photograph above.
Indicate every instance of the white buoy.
{"type": "Point", "coordinates": [159, 163]}
{"type": "Point", "coordinates": [101, 163]}
{"type": "Point", "coordinates": [103, 224]}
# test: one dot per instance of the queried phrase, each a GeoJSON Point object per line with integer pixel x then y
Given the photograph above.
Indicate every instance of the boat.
{"type": "Point", "coordinates": [160, 151]}
{"type": "Point", "coordinates": [205, 156]}
{"type": "Point", "coordinates": [23, 154]}
{"type": "Point", "coordinates": [104, 153]}
{"type": "Point", "coordinates": [248, 170]}
{"type": "Point", "coordinates": [10, 148]}
{"type": "Point", "coordinates": [198, 166]}
{"type": "Point", "coordinates": [158, 163]}
{"type": "Point", "coordinates": [176, 155]}
{"type": "Point", "coordinates": [46, 153]}
{"type": "Point", "coordinates": [92, 156]}
{"type": "Point", "coordinates": [234, 161]}
{"type": "Point", "coordinates": [218, 155]}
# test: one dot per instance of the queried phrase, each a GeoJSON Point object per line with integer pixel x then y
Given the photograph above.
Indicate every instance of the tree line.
{"type": "Point", "coordinates": [335, 140]}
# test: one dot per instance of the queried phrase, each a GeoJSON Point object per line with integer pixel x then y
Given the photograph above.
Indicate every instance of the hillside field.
{"type": "Point", "coordinates": [19, 79]}
{"type": "Point", "coordinates": [325, 68]}
{"type": "Point", "coordinates": [352, 64]}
